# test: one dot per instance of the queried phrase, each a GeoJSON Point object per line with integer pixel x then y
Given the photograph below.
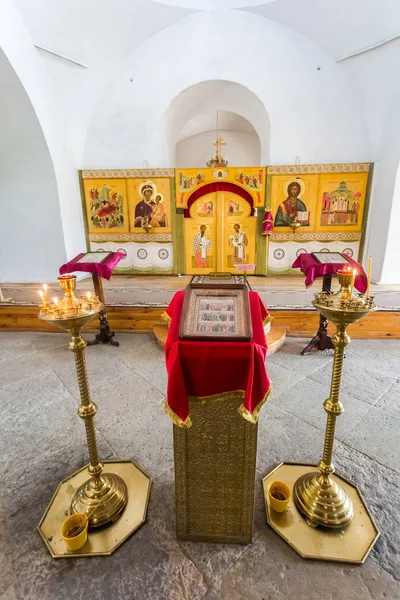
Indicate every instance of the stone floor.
{"type": "Point", "coordinates": [42, 441]}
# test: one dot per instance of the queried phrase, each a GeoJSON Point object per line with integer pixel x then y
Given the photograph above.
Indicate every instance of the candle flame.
{"type": "Point", "coordinates": [55, 300]}
{"type": "Point", "coordinates": [354, 272]}
{"type": "Point", "coordinates": [41, 293]}
{"type": "Point", "coordinates": [88, 295]}
{"type": "Point", "coordinates": [45, 287]}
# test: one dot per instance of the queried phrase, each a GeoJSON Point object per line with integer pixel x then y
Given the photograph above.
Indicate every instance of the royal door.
{"type": "Point", "coordinates": [220, 233]}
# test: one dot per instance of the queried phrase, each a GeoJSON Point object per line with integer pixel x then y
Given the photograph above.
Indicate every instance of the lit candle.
{"type": "Point", "coordinates": [369, 275]}
{"type": "Point", "coordinates": [352, 282]}
{"type": "Point", "coordinates": [45, 292]}
{"type": "Point", "coordinates": [55, 300]}
{"type": "Point", "coordinates": [89, 296]}
{"type": "Point", "coordinates": [42, 296]}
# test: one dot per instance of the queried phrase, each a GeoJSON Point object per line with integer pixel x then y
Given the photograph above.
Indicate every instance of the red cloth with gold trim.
{"type": "Point", "coordinates": [103, 270]}
{"type": "Point", "coordinates": [208, 368]}
{"type": "Point", "coordinates": [312, 268]}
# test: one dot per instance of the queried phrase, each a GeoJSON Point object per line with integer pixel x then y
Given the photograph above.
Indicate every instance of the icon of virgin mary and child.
{"type": "Point", "coordinates": [150, 209]}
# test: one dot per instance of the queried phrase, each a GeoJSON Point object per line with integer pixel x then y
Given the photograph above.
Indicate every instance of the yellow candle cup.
{"type": "Point", "coordinates": [278, 496]}
{"type": "Point", "coordinates": [72, 533]}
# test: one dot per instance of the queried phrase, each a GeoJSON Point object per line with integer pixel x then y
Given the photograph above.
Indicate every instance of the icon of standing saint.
{"type": "Point", "coordinates": [239, 242]}
{"type": "Point", "coordinates": [201, 245]}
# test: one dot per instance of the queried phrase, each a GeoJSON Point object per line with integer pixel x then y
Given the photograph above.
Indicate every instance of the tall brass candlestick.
{"type": "Point", "coordinates": [105, 489]}
{"type": "Point", "coordinates": [317, 495]}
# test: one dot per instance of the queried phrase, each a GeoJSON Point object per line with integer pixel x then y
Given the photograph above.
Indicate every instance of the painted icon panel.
{"type": "Point", "coordinates": [341, 201]}
{"type": "Point", "coordinates": [294, 199]}
{"type": "Point", "coordinates": [149, 204]}
{"type": "Point", "coordinates": [106, 205]}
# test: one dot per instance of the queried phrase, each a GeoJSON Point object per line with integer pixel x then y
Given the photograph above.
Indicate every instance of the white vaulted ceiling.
{"type": "Point", "coordinates": [92, 31]}
{"type": "Point", "coordinates": [340, 27]}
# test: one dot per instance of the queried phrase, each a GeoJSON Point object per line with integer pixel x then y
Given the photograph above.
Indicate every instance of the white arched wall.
{"type": "Point", "coordinates": [384, 221]}
{"type": "Point", "coordinates": [17, 44]}
{"type": "Point", "coordinates": [210, 96]}
{"type": "Point", "coordinates": [313, 113]}
{"type": "Point", "coordinates": [31, 235]}
{"type": "Point", "coordinates": [243, 149]}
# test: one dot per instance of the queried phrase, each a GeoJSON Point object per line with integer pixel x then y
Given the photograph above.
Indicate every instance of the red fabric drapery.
{"type": "Point", "coordinates": [312, 269]}
{"type": "Point", "coordinates": [206, 368]}
{"type": "Point", "coordinates": [103, 270]}
{"type": "Point", "coordinates": [219, 186]}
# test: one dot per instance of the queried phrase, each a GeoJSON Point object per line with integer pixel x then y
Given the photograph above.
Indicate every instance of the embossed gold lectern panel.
{"type": "Point", "coordinates": [215, 465]}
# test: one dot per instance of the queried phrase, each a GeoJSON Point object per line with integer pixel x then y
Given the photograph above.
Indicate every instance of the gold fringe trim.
{"type": "Point", "coordinates": [174, 417]}
{"type": "Point", "coordinates": [166, 318]}
{"type": "Point", "coordinates": [268, 319]}
{"type": "Point", "coordinates": [218, 397]}
{"type": "Point", "coordinates": [253, 417]}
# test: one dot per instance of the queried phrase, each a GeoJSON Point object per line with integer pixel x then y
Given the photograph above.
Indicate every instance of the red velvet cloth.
{"type": "Point", "coordinates": [205, 368]}
{"type": "Point", "coordinates": [103, 270]}
{"type": "Point", "coordinates": [312, 269]}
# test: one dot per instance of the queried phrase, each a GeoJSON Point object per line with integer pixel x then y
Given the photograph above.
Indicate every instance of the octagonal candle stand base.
{"type": "Point", "coordinates": [327, 517]}
{"type": "Point", "coordinates": [103, 497]}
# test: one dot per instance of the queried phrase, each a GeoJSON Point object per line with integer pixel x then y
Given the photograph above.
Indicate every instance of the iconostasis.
{"type": "Point", "coordinates": [130, 210]}
{"type": "Point", "coordinates": [200, 220]}
{"type": "Point", "coordinates": [329, 201]}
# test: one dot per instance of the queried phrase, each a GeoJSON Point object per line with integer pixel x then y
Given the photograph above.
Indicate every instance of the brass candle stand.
{"type": "Point", "coordinates": [104, 496]}
{"type": "Point", "coordinates": [322, 498]}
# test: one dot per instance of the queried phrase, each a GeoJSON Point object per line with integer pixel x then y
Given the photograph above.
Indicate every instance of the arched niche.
{"type": "Point", "coordinates": [31, 236]}
{"type": "Point", "coordinates": [195, 142]}
{"type": "Point", "coordinates": [196, 106]}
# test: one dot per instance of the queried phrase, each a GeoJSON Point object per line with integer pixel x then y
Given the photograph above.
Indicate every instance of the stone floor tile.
{"type": "Point", "coordinates": [11, 348]}
{"type": "Point", "coordinates": [377, 436]}
{"type": "Point", "coordinates": [305, 401]}
{"type": "Point", "coordinates": [212, 560]}
{"type": "Point", "coordinates": [281, 378]}
{"type": "Point", "coordinates": [43, 416]}
{"type": "Point", "coordinates": [290, 358]}
{"type": "Point", "coordinates": [211, 595]}
{"type": "Point", "coordinates": [43, 340]}
{"type": "Point", "coordinates": [22, 368]}
{"type": "Point", "coordinates": [148, 566]}
{"type": "Point", "coordinates": [101, 366]}
{"type": "Point", "coordinates": [118, 398]}
{"type": "Point", "coordinates": [145, 437]}
{"type": "Point", "coordinates": [379, 486]}
{"type": "Point", "coordinates": [7, 575]}
{"type": "Point", "coordinates": [380, 364]}
{"type": "Point", "coordinates": [358, 383]}
{"type": "Point", "coordinates": [272, 570]}
{"type": "Point", "coordinates": [390, 400]}
{"type": "Point", "coordinates": [143, 355]}
{"type": "Point", "coordinates": [44, 442]}
{"type": "Point", "coordinates": [285, 438]}
{"type": "Point", "coordinates": [32, 483]}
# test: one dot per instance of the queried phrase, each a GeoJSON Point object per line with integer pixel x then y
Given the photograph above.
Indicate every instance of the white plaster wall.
{"type": "Point", "coordinates": [31, 236]}
{"type": "Point", "coordinates": [243, 149]}
{"type": "Point", "coordinates": [373, 76]}
{"type": "Point", "coordinates": [313, 113]}
{"type": "Point", "coordinates": [17, 44]}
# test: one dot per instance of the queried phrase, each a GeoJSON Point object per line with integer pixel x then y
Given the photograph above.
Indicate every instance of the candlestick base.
{"type": "Point", "coordinates": [352, 544]}
{"type": "Point", "coordinates": [322, 500]}
{"type": "Point", "coordinates": [102, 541]}
{"type": "Point", "coordinates": [111, 496]}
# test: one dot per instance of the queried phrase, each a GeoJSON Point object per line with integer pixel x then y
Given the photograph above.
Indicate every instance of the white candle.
{"type": "Point", "coordinates": [369, 275]}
